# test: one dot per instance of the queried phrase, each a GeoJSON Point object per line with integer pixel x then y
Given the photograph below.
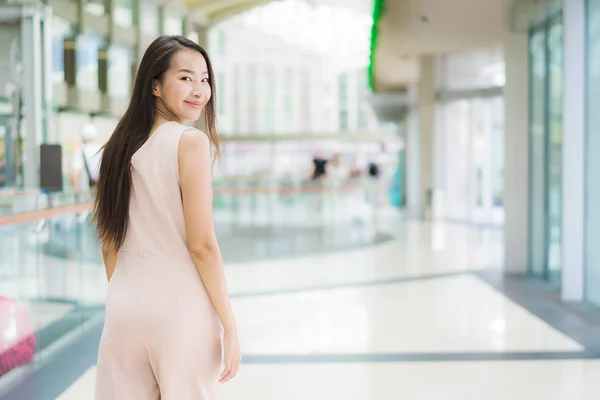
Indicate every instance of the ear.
{"type": "Point", "coordinates": [156, 88]}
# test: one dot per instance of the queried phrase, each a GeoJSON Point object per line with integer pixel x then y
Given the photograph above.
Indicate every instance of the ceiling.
{"type": "Point", "coordinates": [407, 29]}
{"type": "Point", "coordinates": [218, 10]}
{"type": "Point", "coordinates": [410, 28]}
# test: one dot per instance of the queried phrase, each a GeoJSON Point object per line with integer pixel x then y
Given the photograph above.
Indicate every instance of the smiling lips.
{"type": "Point", "coordinates": [195, 104]}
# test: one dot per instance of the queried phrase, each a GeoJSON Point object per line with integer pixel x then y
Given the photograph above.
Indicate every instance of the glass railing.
{"type": "Point", "coordinates": [52, 280]}
{"type": "Point", "coordinates": [52, 286]}
{"type": "Point", "coordinates": [23, 201]}
{"type": "Point", "coordinates": [287, 220]}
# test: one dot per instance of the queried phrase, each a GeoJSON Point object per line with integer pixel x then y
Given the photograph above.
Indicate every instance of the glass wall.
{"type": "Point", "coordinates": [173, 23]}
{"type": "Point", "coordinates": [477, 69]}
{"type": "Point", "coordinates": [95, 7]}
{"type": "Point", "coordinates": [123, 13]}
{"type": "Point", "coordinates": [592, 196]}
{"type": "Point", "coordinates": [472, 183]}
{"type": "Point", "coordinates": [545, 172]}
{"type": "Point", "coordinates": [469, 150]}
{"type": "Point", "coordinates": [87, 59]}
{"type": "Point", "coordinates": [119, 71]}
{"type": "Point", "coordinates": [537, 127]}
{"type": "Point", "coordinates": [555, 133]}
{"type": "Point", "coordinates": [150, 15]}
{"type": "Point", "coordinates": [61, 29]}
{"type": "Point", "coordinates": [280, 80]}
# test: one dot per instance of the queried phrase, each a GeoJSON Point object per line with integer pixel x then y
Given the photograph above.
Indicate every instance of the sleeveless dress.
{"type": "Point", "coordinates": [162, 336]}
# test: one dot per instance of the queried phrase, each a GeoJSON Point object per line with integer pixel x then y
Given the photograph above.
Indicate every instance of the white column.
{"type": "Point", "coordinates": [573, 151]}
{"type": "Point", "coordinates": [516, 153]}
{"type": "Point", "coordinates": [413, 156]}
{"type": "Point", "coordinates": [420, 140]}
{"type": "Point", "coordinates": [243, 98]}
{"type": "Point", "coordinates": [353, 100]}
{"type": "Point", "coordinates": [296, 98]}
{"type": "Point", "coordinates": [280, 88]}
{"type": "Point", "coordinates": [426, 126]}
{"type": "Point", "coordinates": [49, 126]}
{"type": "Point", "coordinates": [31, 51]}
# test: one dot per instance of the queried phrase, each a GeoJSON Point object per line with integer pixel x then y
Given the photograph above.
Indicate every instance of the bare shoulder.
{"type": "Point", "coordinates": [192, 141]}
{"type": "Point", "coordinates": [193, 136]}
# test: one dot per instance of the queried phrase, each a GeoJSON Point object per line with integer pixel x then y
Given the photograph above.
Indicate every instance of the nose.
{"type": "Point", "coordinates": [200, 93]}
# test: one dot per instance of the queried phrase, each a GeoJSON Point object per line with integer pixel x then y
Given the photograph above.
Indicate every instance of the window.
{"type": "Point", "coordinates": [343, 101]}
{"type": "Point", "coordinates": [288, 91]}
{"type": "Point", "coordinates": [61, 29]}
{"type": "Point", "coordinates": [95, 7]}
{"type": "Point", "coordinates": [472, 70]}
{"type": "Point", "coordinates": [123, 13]}
{"type": "Point", "coordinates": [269, 110]}
{"type": "Point", "coordinates": [119, 71]}
{"type": "Point", "coordinates": [87, 60]}
{"type": "Point", "coordinates": [150, 16]}
{"type": "Point", "coordinates": [252, 99]}
{"type": "Point", "coordinates": [173, 24]}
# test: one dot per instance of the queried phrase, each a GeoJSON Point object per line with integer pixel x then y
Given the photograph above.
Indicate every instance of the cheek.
{"type": "Point", "coordinates": [177, 93]}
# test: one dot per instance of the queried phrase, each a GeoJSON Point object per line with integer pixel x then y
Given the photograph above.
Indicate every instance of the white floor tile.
{"type": "Point", "coordinates": [498, 380]}
{"type": "Point", "coordinates": [445, 314]}
{"type": "Point", "coordinates": [456, 314]}
{"type": "Point", "coordinates": [83, 388]}
{"type": "Point", "coordinates": [564, 380]}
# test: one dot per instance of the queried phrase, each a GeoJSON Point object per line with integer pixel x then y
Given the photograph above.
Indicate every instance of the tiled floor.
{"type": "Point", "coordinates": [506, 380]}
{"type": "Point", "coordinates": [401, 320]}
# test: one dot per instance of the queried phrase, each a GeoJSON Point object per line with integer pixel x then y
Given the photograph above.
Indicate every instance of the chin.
{"type": "Point", "coordinates": [191, 117]}
{"type": "Point", "coordinates": [195, 116]}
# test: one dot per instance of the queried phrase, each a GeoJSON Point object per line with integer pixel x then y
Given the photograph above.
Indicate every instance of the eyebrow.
{"type": "Point", "coordinates": [189, 71]}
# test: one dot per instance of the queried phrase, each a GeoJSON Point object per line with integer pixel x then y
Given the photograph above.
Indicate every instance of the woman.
{"type": "Point", "coordinates": [168, 315]}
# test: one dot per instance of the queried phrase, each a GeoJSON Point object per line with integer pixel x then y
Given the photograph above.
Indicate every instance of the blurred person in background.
{"type": "Point", "coordinates": [86, 161]}
{"type": "Point", "coordinates": [319, 170]}
{"type": "Point", "coordinates": [374, 190]}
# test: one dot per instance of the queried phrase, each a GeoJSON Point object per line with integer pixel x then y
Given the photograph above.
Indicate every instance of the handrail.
{"type": "Point", "coordinates": [30, 216]}
{"type": "Point", "coordinates": [17, 194]}
{"type": "Point", "coordinates": [44, 214]}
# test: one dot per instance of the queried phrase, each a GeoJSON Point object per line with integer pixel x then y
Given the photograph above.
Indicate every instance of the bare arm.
{"type": "Point", "coordinates": [195, 171]}
{"type": "Point", "coordinates": [110, 259]}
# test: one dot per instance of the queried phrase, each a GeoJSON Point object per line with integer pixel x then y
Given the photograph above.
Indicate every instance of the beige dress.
{"type": "Point", "coordinates": [162, 337]}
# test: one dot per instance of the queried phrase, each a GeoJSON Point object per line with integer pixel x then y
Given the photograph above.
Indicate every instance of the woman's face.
{"type": "Point", "coordinates": [184, 89]}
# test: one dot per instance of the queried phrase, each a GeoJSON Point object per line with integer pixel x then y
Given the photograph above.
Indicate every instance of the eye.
{"type": "Point", "coordinates": [205, 80]}
{"type": "Point", "coordinates": [186, 78]}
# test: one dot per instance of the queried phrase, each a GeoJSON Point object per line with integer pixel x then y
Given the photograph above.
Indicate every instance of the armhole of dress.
{"type": "Point", "coordinates": [182, 130]}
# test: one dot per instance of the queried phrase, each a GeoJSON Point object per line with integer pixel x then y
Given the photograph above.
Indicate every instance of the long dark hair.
{"type": "Point", "coordinates": [111, 208]}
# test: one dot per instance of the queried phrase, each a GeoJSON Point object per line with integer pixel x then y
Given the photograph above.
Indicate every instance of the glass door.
{"type": "Point", "coordinates": [472, 160]}
{"type": "Point", "coordinates": [545, 166]}
{"type": "Point", "coordinates": [554, 151]}
{"type": "Point", "coordinates": [457, 160]}
{"type": "Point", "coordinates": [487, 140]}
{"type": "Point", "coordinates": [537, 155]}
